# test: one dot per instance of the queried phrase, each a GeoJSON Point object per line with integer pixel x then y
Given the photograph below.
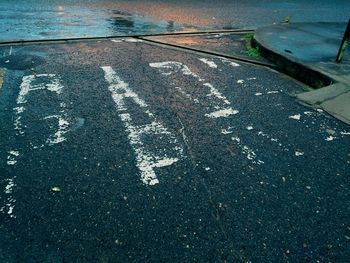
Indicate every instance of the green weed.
{"type": "Point", "coordinates": [251, 51]}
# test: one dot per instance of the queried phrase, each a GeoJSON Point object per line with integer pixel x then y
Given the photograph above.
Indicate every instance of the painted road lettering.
{"type": "Point", "coordinates": [218, 102]}
{"type": "Point", "coordinates": [220, 105]}
{"type": "Point", "coordinates": [33, 84]}
{"type": "Point", "coordinates": [150, 155]}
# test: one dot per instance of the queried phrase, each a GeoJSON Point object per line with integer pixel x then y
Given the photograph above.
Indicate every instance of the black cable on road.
{"type": "Point", "coordinates": [43, 41]}
{"type": "Point", "coordinates": [212, 53]}
{"type": "Point", "coordinates": [143, 38]}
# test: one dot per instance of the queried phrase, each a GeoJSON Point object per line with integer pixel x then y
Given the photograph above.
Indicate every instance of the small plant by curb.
{"type": "Point", "coordinates": [249, 37]}
{"type": "Point", "coordinates": [251, 51]}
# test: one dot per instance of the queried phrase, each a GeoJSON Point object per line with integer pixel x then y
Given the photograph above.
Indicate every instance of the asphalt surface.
{"type": "Point", "coordinates": [123, 151]}
{"type": "Point", "coordinates": [49, 19]}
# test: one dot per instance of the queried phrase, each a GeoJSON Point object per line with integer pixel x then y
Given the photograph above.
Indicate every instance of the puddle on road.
{"type": "Point", "coordinates": [54, 22]}
{"type": "Point", "coordinates": [127, 23]}
{"type": "Point", "coordinates": [21, 62]}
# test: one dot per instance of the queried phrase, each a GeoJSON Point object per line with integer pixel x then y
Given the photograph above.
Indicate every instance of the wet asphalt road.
{"type": "Point", "coordinates": [123, 151]}
{"type": "Point", "coordinates": [35, 19]}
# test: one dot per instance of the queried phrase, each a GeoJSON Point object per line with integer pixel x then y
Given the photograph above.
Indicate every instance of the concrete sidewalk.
{"type": "Point", "coordinates": [307, 52]}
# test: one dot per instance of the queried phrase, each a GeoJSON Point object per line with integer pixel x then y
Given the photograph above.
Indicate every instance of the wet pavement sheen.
{"type": "Point", "coordinates": [34, 19]}
{"type": "Point", "coordinates": [122, 151]}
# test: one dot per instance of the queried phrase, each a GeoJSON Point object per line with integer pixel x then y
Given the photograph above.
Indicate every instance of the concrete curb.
{"type": "Point", "coordinates": [291, 67]}
{"type": "Point", "coordinates": [287, 46]}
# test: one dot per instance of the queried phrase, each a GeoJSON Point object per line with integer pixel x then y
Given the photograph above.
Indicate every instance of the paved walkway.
{"type": "Point", "coordinates": [307, 51]}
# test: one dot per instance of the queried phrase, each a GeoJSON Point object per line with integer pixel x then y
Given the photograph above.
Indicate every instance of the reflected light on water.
{"type": "Point", "coordinates": [60, 10]}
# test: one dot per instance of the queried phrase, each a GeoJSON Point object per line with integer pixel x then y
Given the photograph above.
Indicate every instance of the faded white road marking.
{"type": "Point", "coordinates": [222, 106]}
{"type": "Point", "coordinates": [9, 186]}
{"type": "Point", "coordinates": [168, 68]}
{"type": "Point", "coordinates": [10, 202]}
{"type": "Point", "coordinates": [227, 131]}
{"type": "Point", "coordinates": [269, 93]}
{"type": "Point", "coordinates": [330, 131]}
{"type": "Point", "coordinates": [236, 139]}
{"type": "Point", "coordinates": [12, 157]}
{"type": "Point", "coordinates": [222, 113]}
{"type": "Point", "coordinates": [308, 113]}
{"type": "Point", "coordinates": [297, 153]}
{"type": "Point", "coordinates": [330, 138]}
{"type": "Point", "coordinates": [63, 128]}
{"type": "Point", "coordinates": [29, 85]}
{"type": "Point", "coordinates": [34, 83]}
{"type": "Point", "coordinates": [231, 63]}
{"type": "Point", "coordinates": [260, 133]}
{"type": "Point", "coordinates": [17, 122]}
{"type": "Point", "coordinates": [249, 153]}
{"type": "Point", "coordinates": [210, 63]}
{"type": "Point", "coordinates": [130, 40]}
{"type": "Point", "coordinates": [143, 138]}
{"type": "Point", "coordinates": [216, 36]}
{"type": "Point", "coordinates": [295, 117]}
{"type": "Point", "coordinates": [215, 93]}
{"type": "Point", "coordinates": [187, 95]}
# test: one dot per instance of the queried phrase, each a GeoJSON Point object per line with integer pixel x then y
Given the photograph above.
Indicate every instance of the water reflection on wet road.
{"type": "Point", "coordinates": [37, 19]}
{"type": "Point", "coordinates": [55, 21]}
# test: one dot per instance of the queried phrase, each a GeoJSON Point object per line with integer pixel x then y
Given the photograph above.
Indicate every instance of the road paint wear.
{"type": "Point", "coordinates": [227, 130]}
{"type": "Point", "coordinates": [28, 84]}
{"type": "Point", "coordinates": [187, 95]}
{"type": "Point", "coordinates": [249, 153]}
{"type": "Point", "coordinates": [215, 93]}
{"type": "Point", "coordinates": [3, 70]}
{"type": "Point", "coordinates": [63, 128]}
{"type": "Point", "coordinates": [33, 83]}
{"type": "Point", "coordinates": [222, 109]}
{"type": "Point", "coordinates": [229, 62]}
{"type": "Point", "coordinates": [145, 139]}
{"type": "Point", "coordinates": [11, 158]}
{"type": "Point", "coordinates": [130, 40]}
{"type": "Point", "coordinates": [222, 113]}
{"type": "Point", "coordinates": [210, 63]}
{"type": "Point", "coordinates": [330, 138]}
{"type": "Point", "coordinates": [218, 101]}
{"type": "Point", "coordinates": [295, 117]}
{"type": "Point", "coordinates": [168, 68]}
{"type": "Point", "coordinates": [10, 201]}
{"type": "Point", "coordinates": [2, 76]}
